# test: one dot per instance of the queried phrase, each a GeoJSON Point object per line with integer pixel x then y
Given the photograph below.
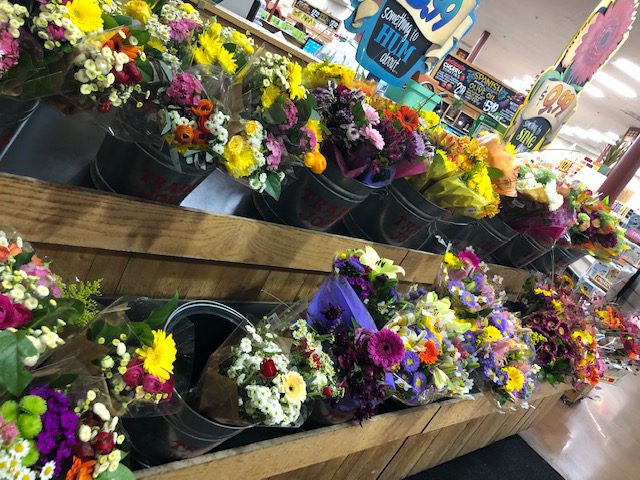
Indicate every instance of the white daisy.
{"type": "Point", "coordinates": [20, 449]}
{"type": "Point", "coordinates": [48, 470]}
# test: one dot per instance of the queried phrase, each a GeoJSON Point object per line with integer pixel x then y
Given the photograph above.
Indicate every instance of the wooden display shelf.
{"type": "Point", "coordinates": [143, 248]}
{"type": "Point", "coordinates": [387, 447]}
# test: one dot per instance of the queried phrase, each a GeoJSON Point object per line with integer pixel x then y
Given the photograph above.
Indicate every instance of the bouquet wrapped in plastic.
{"type": "Point", "coordinates": [458, 178]}
{"type": "Point", "coordinates": [37, 311]}
{"type": "Point", "coordinates": [364, 351]}
{"type": "Point", "coordinates": [567, 337]}
{"type": "Point", "coordinates": [597, 229]}
{"type": "Point", "coordinates": [502, 158]}
{"type": "Point", "coordinates": [267, 374]}
{"type": "Point", "coordinates": [436, 364]}
{"type": "Point", "coordinates": [273, 125]}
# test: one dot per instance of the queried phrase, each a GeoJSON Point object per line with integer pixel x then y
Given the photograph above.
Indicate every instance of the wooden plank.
{"type": "Point", "coordinates": [411, 451]}
{"type": "Point", "coordinates": [458, 411]}
{"type": "Point", "coordinates": [439, 447]}
{"type": "Point", "coordinates": [274, 457]}
{"type": "Point", "coordinates": [324, 470]}
{"type": "Point", "coordinates": [68, 262]}
{"type": "Point", "coordinates": [109, 268]}
{"type": "Point", "coordinates": [367, 464]}
{"type": "Point", "coordinates": [81, 217]}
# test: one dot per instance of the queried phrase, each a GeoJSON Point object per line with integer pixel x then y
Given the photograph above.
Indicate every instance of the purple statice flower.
{"type": "Point", "coordinates": [411, 361]}
{"type": "Point", "coordinates": [9, 50]}
{"type": "Point", "coordinates": [419, 383]}
{"type": "Point", "coordinates": [59, 426]}
{"type": "Point", "coordinates": [354, 263]}
{"type": "Point", "coordinates": [386, 348]}
{"type": "Point", "coordinates": [469, 300]}
{"type": "Point", "coordinates": [180, 30]}
{"type": "Point", "coordinates": [361, 286]}
{"type": "Point", "coordinates": [184, 89]}
{"type": "Point", "coordinates": [291, 112]}
{"type": "Point", "coordinates": [417, 293]}
{"type": "Point", "coordinates": [418, 144]}
{"type": "Point", "coordinates": [274, 145]}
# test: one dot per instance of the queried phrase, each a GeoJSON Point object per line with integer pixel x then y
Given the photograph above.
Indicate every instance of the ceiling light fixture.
{"type": "Point", "coordinates": [593, 91]}
{"type": "Point", "coordinates": [614, 84]}
{"type": "Point", "coordinates": [596, 135]}
{"type": "Point", "coordinates": [628, 67]}
{"type": "Point", "coordinates": [580, 133]}
{"type": "Point", "coordinates": [613, 136]}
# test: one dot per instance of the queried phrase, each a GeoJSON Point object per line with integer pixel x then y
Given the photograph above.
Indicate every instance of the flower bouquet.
{"type": "Point", "coordinates": [458, 178]}
{"type": "Point", "coordinates": [435, 364]}
{"type": "Point", "coordinates": [568, 346]}
{"type": "Point", "coordinates": [620, 334]}
{"type": "Point", "coordinates": [320, 74]}
{"type": "Point", "coordinates": [35, 306]}
{"type": "Point", "coordinates": [52, 430]}
{"type": "Point", "coordinates": [364, 354]}
{"type": "Point", "coordinates": [269, 376]}
{"type": "Point", "coordinates": [597, 229]}
{"type": "Point", "coordinates": [274, 130]}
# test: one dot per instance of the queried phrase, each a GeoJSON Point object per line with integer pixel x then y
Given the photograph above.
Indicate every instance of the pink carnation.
{"type": "Point", "coordinates": [180, 30]}
{"type": "Point", "coordinates": [373, 136]}
{"type": "Point", "coordinates": [275, 147]}
{"type": "Point", "coordinates": [185, 89]}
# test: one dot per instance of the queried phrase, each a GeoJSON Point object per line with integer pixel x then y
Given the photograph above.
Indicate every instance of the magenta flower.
{"type": "Point", "coordinates": [180, 30]}
{"type": "Point", "coordinates": [12, 315]}
{"type": "Point", "coordinates": [386, 348]}
{"type": "Point", "coordinates": [56, 31]}
{"type": "Point", "coordinates": [274, 145]}
{"type": "Point", "coordinates": [134, 374]}
{"type": "Point", "coordinates": [185, 90]}
{"type": "Point", "coordinates": [9, 51]}
{"type": "Point", "coordinates": [152, 384]}
{"type": "Point", "coordinates": [469, 258]}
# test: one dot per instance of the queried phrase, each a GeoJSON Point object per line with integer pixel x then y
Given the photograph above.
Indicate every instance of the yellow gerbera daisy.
{"type": "Point", "coordinates": [159, 357]}
{"type": "Point", "coordinates": [515, 381]}
{"type": "Point", "coordinates": [491, 334]}
{"type": "Point", "coordinates": [227, 61]}
{"type": "Point", "coordinates": [86, 15]}
{"type": "Point", "coordinates": [270, 95]}
{"type": "Point", "coordinates": [295, 390]}
{"type": "Point", "coordinates": [295, 81]}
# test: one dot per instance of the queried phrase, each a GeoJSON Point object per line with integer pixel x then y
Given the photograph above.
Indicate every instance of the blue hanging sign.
{"type": "Point", "coordinates": [402, 37]}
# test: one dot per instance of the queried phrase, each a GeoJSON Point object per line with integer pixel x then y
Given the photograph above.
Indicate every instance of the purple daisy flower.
{"type": "Point", "coordinates": [411, 361]}
{"type": "Point", "coordinates": [386, 348]}
{"type": "Point", "coordinates": [468, 299]}
{"type": "Point", "coordinates": [456, 287]}
{"type": "Point", "coordinates": [419, 382]}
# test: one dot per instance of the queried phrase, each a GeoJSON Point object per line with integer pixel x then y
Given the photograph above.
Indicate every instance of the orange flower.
{"type": "Point", "coordinates": [315, 161]}
{"type": "Point", "coordinates": [199, 137]}
{"type": "Point", "coordinates": [408, 118]}
{"type": "Point", "coordinates": [430, 353]}
{"type": "Point", "coordinates": [11, 251]}
{"type": "Point", "coordinates": [184, 134]}
{"type": "Point", "coordinates": [81, 470]}
{"type": "Point", "coordinates": [116, 43]}
{"type": "Point", "coordinates": [204, 108]}
{"type": "Point", "coordinates": [368, 87]}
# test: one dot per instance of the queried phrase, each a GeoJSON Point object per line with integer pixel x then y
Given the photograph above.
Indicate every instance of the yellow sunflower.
{"type": "Point", "coordinates": [159, 357]}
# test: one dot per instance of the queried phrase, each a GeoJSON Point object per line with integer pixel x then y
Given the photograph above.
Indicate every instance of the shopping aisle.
{"type": "Point", "coordinates": [595, 438]}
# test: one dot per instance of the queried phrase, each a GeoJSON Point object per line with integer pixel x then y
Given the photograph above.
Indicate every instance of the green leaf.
{"type": "Point", "coordinates": [121, 473]}
{"type": "Point", "coordinates": [495, 173]}
{"type": "Point", "coordinates": [141, 35]}
{"type": "Point", "coordinates": [358, 114]}
{"type": "Point", "coordinates": [158, 317]}
{"type": "Point", "coordinates": [142, 332]}
{"type": "Point", "coordinates": [273, 186]}
{"type": "Point", "coordinates": [68, 309]}
{"type": "Point", "coordinates": [146, 69]}
{"type": "Point", "coordinates": [108, 21]}
{"type": "Point", "coordinates": [22, 259]}
{"type": "Point", "coordinates": [123, 20]}
{"type": "Point", "coordinates": [14, 348]}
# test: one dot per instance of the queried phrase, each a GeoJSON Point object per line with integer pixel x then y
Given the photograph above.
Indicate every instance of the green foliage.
{"type": "Point", "coordinates": [495, 173]}
{"type": "Point", "coordinates": [14, 348]}
{"type": "Point", "coordinates": [82, 292]}
{"type": "Point", "coordinates": [121, 473]}
{"type": "Point", "coordinates": [273, 186]}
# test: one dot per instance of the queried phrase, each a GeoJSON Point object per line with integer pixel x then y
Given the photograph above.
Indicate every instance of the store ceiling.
{"type": "Point", "coordinates": [527, 36]}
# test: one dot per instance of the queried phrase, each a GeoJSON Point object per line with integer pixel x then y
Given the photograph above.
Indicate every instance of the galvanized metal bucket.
{"type": "Point", "coordinates": [520, 251]}
{"type": "Point", "coordinates": [398, 215]}
{"type": "Point", "coordinates": [556, 260]}
{"type": "Point", "coordinates": [13, 112]}
{"type": "Point", "coordinates": [177, 431]}
{"type": "Point", "coordinates": [132, 169]}
{"type": "Point", "coordinates": [316, 202]}
{"type": "Point", "coordinates": [489, 234]}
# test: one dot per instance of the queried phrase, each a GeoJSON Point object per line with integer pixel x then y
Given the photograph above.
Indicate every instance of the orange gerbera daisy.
{"type": "Point", "coordinates": [408, 117]}
{"type": "Point", "coordinates": [429, 355]}
{"type": "Point", "coordinates": [116, 43]}
{"type": "Point", "coordinates": [81, 470]}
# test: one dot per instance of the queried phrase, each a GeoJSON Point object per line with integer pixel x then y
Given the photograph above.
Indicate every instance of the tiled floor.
{"type": "Point", "coordinates": [594, 439]}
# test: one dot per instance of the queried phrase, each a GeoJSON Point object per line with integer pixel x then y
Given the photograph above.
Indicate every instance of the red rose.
{"type": "Point", "coordinates": [134, 374]}
{"type": "Point", "coordinates": [22, 315]}
{"type": "Point", "coordinates": [104, 443]}
{"type": "Point", "coordinates": [268, 369]}
{"type": "Point", "coordinates": [84, 451]}
{"type": "Point", "coordinates": [327, 392]}
{"type": "Point", "coordinates": [152, 384]}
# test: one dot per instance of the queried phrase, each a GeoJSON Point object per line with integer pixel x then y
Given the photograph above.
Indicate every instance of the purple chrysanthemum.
{"type": "Point", "coordinates": [411, 362]}
{"type": "Point", "coordinates": [386, 348]}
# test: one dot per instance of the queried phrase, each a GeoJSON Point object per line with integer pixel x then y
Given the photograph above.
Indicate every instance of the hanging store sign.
{"type": "Point", "coordinates": [554, 96]}
{"type": "Point", "coordinates": [402, 37]}
{"type": "Point", "coordinates": [318, 15]}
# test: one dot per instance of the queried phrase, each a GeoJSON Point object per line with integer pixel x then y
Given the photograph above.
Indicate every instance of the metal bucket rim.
{"type": "Point", "coordinates": [410, 206]}
{"type": "Point", "coordinates": [326, 182]}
